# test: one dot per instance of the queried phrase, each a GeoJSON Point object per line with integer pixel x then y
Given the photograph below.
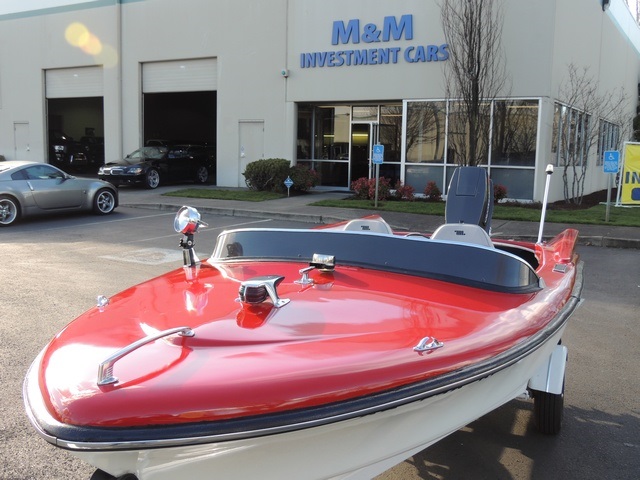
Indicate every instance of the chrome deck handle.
{"type": "Point", "coordinates": [105, 369]}
{"type": "Point", "coordinates": [427, 344]}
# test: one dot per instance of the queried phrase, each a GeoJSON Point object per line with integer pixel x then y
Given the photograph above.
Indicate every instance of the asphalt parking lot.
{"type": "Point", "coordinates": [52, 270]}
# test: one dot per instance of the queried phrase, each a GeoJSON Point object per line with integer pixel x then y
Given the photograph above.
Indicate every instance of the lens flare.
{"type": "Point", "coordinates": [108, 57]}
{"type": "Point", "coordinates": [92, 46]}
{"type": "Point", "coordinates": [77, 34]}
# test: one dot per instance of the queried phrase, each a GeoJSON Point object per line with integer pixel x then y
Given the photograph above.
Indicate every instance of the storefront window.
{"type": "Point", "coordinates": [332, 132]}
{"type": "Point", "coordinates": [418, 176]}
{"type": "Point", "coordinates": [519, 181]}
{"type": "Point", "coordinates": [366, 113]}
{"type": "Point", "coordinates": [305, 127]}
{"type": "Point", "coordinates": [515, 132]}
{"type": "Point", "coordinates": [461, 142]}
{"type": "Point", "coordinates": [391, 138]}
{"type": "Point", "coordinates": [608, 139]}
{"type": "Point", "coordinates": [570, 141]}
{"type": "Point", "coordinates": [323, 142]}
{"type": "Point", "coordinates": [426, 123]}
{"type": "Point", "coordinates": [391, 132]}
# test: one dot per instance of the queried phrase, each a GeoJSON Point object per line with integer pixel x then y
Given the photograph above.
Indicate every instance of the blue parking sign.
{"type": "Point", "coordinates": [611, 161]}
{"type": "Point", "coordinates": [378, 153]}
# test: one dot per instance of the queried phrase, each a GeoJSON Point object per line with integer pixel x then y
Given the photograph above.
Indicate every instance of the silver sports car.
{"type": "Point", "coordinates": [32, 188]}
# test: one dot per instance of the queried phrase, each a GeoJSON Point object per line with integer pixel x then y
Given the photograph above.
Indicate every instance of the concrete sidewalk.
{"type": "Point", "coordinates": [299, 208]}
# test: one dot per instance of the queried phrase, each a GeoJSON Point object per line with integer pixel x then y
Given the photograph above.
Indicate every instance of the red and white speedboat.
{"type": "Point", "coordinates": [326, 353]}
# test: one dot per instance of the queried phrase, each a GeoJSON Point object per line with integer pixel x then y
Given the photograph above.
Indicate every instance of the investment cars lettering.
{"type": "Point", "coordinates": [392, 30]}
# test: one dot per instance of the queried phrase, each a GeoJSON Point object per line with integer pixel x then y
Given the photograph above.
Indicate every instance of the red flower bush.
{"type": "Point", "coordinates": [365, 188]}
{"type": "Point", "coordinates": [432, 192]}
{"type": "Point", "coordinates": [404, 192]}
{"type": "Point", "coordinates": [499, 192]}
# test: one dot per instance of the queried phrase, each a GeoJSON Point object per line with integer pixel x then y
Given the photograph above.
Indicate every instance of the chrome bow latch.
{"type": "Point", "coordinates": [257, 289]}
{"type": "Point", "coordinates": [428, 344]}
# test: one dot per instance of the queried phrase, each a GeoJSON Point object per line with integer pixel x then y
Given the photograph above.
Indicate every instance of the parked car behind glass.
{"type": "Point", "coordinates": [151, 165]}
{"type": "Point", "coordinates": [31, 188]}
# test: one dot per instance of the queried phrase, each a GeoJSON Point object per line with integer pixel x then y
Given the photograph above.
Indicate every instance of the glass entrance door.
{"type": "Point", "coordinates": [363, 137]}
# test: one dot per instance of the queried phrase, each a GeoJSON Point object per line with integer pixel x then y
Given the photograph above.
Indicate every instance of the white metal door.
{"type": "Point", "coordinates": [21, 148]}
{"type": "Point", "coordinates": [251, 148]}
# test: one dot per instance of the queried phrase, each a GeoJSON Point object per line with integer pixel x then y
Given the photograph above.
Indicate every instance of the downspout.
{"type": "Point", "coordinates": [120, 100]}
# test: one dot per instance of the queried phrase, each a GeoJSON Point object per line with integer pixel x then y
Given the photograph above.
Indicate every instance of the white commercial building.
{"type": "Point", "coordinates": [315, 82]}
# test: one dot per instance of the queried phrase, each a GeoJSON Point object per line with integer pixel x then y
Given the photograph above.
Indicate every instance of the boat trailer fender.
{"type": "Point", "coordinates": [550, 375]}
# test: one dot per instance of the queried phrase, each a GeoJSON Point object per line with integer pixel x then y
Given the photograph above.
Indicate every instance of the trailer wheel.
{"type": "Point", "coordinates": [102, 475]}
{"type": "Point", "coordinates": [548, 409]}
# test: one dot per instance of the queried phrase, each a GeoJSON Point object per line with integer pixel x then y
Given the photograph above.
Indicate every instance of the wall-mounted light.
{"type": "Point", "coordinates": [284, 72]}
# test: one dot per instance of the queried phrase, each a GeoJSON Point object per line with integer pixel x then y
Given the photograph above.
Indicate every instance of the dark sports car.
{"type": "Point", "coordinates": [152, 165]}
{"type": "Point", "coordinates": [87, 154]}
{"type": "Point", "coordinates": [31, 188]}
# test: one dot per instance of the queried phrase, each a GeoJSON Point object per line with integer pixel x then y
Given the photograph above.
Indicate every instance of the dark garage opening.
{"type": "Point", "coordinates": [181, 117]}
{"type": "Point", "coordinates": [75, 134]}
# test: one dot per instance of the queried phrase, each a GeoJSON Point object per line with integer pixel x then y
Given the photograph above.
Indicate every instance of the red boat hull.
{"type": "Point", "coordinates": [336, 345]}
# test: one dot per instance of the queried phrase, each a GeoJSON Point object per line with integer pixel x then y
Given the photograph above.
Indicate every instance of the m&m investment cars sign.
{"type": "Point", "coordinates": [378, 41]}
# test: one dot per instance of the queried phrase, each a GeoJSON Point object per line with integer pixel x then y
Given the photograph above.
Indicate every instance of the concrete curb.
{"type": "Point", "coordinates": [589, 241]}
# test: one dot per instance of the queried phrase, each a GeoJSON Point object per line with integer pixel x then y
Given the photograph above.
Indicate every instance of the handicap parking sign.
{"type": "Point", "coordinates": [611, 160]}
{"type": "Point", "coordinates": [378, 153]}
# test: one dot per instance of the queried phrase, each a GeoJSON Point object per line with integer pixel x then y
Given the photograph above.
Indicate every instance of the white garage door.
{"type": "Point", "coordinates": [199, 75]}
{"type": "Point", "coordinates": [74, 82]}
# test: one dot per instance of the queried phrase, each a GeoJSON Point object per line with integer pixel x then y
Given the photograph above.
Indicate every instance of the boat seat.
{"type": "Point", "coordinates": [464, 233]}
{"type": "Point", "coordinates": [368, 225]}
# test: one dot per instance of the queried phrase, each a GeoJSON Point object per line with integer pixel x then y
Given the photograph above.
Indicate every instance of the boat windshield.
{"type": "Point", "coordinates": [465, 264]}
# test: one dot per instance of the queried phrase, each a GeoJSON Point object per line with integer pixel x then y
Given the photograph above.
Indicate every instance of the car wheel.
{"type": "Point", "coordinates": [152, 178]}
{"type": "Point", "coordinates": [104, 202]}
{"type": "Point", "coordinates": [202, 175]}
{"type": "Point", "coordinates": [9, 210]}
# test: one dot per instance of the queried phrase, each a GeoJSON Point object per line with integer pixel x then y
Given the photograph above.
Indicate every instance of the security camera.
{"type": "Point", "coordinates": [284, 72]}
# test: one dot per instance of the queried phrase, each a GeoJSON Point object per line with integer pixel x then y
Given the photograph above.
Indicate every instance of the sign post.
{"type": "Point", "coordinates": [377, 158]}
{"type": "Point", "coordinates": [288, 183]}
{"type": "Point", "coordinates": [611, 165]}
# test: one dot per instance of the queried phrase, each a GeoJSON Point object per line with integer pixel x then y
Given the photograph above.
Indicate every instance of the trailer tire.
{"type": "Point", "coordinates": [548, 410]}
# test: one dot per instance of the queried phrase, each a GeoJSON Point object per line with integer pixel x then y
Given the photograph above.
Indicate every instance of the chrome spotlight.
{"type": "Point", "coordinates": [187, 222]}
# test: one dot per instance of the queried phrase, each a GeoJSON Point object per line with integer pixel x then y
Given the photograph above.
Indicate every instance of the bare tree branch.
{"type": "Point", "coordinates": [583, 109]}
{"type": "Point", "coordinates": [475, 74]}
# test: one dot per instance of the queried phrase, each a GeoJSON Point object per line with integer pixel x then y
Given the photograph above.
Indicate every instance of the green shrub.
{"type": "Point", "coordinates": [303, 178]}
{"type": "Point", "coordinates": [268, 174]}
